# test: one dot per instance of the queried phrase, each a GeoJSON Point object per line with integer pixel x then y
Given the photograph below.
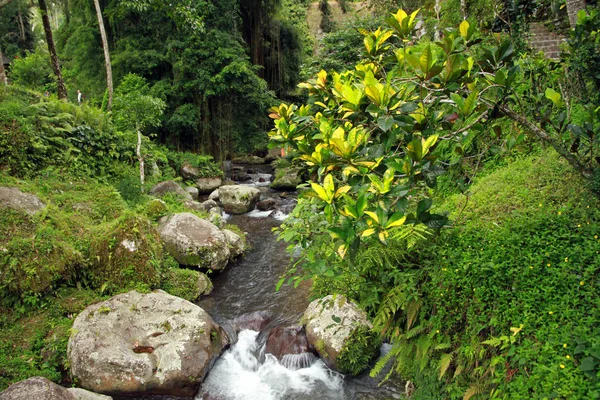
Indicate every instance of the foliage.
{"type": "Point", "coordinates": [33, 71]}
{"type": "Point", "coordinates": [358, 352]}
{"type": "Point", "coordinates": [184, 283]}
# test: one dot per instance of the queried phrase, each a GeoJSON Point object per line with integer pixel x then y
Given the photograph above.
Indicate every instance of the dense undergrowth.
{"type": "Point", "coordinates": [71, 254]}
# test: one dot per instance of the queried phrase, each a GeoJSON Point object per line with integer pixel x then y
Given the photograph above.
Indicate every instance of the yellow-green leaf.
{"type": "Point", "coordinates": [368, 232]}
{"type": "Point", "coordinates": [464, 29]}
{"type": "Point", "coordinates": [320, 192]}
{"type": "Point", "coordinates": [373, 216]}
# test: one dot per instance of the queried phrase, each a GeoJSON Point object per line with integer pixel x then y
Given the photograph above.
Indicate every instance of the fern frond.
{"type": "Point", "coordinates": [474, 390]}
{"type": "Point", "coordinates": [444, 364]}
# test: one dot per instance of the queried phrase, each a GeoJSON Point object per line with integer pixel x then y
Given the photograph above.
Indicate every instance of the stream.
{"type": "Point", "coordinates": [247, 288]}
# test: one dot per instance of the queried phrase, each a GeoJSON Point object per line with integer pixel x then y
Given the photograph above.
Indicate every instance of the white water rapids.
{"type": "Point", "coordinates": [240, 375]}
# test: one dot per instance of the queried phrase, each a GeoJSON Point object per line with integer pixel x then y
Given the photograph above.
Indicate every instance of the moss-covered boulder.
{"type": "Point", "coordinates": [35, 254]}
{"type": "Point", "coordinates": [38, 388]}
{"type": "Point", "coordinates": [186, 283]}
{"type": "Point", "coordinates": [207, 185]}
{"type": "Point", "coordinates": [194, 242]}
{"type": "Point", "coordinates": [126, 253]}
{"type": "Point", "coordinates": [287, 179]}
{"type": "Point", "coordinates": [253, 160]}
{"type": "Point", "coordinates": [12, 197]}
{"type": "Point", "coordinates": [238, 199]}
{"type": "Point", "coordinates": [165, 187]}
{"type": "Point", "coordinates": [341, 333]}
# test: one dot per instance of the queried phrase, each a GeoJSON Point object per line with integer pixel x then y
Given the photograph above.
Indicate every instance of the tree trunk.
{"type": "Point", "coordinates": [61, 90]}
{"type": "Point", "coordinates": [138, 152]}
{"type": "Point", "coordinates": [109, 80]}
{"type": "Point", "coordinates": [2, 72]}
{"type": "Point", "coordinates": [22, 37]}
{"type": "Point", "coordinates": [573, 7]}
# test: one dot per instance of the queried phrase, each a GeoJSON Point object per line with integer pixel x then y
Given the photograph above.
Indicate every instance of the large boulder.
{"type": "Point", "coordinates": [341, 333]}
{"type": "Point", "coordinates": [82, 394]}
{"type": "Point", "coordinates": [126, 254]}
{"type": "Point", "coordinates": [193, 241]}
{"type": "Point", "coordinates": [254, 160]}
{"type": "Point", "coordinates": [237, 199]}
{"type": "Point", "coordinates": [160, 189]}
{"type": "Point", "coordinates": [207, 185]}
{"type": "Point", "coordinates": [287, 179]}
{"type": "Point", "coordinates": [189, 172]}
{"type": "Point", "coordinates": [186, 283]}
{"type": "Point", "coordinates": [37, 388]}
{"type": "Point", "coordinates": [235, 242]}
{"type": "Point", "coordinates": [12, 197]}
{"type": "Point", "coordinates": [274, 154]}
{"type": "Point", "coordinates": [137, 343]}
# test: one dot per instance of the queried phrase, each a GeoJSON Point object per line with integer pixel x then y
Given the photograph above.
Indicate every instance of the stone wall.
{"type": "Point", "coordinates": [542, 39]}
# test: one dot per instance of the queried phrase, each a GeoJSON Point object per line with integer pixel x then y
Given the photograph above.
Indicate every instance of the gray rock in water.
{"type": "Point", "coordinates": [237, 199]}
{"type": "Point", "coordinates": [82, 394]}
{"type": "Point", "coordinates": [207, 185]}
{"type": "Point", "coordinates": [12, 197]}
{"type": "Point", "coordinates": [165, 187]}
{"type": "Point", "coordinates": [36, 388]}
{"type": "Point", "coordinates": [235, 242]}
{"type": "Point", "coordinates": [254, 160]}
{"type": "Point", "coordinates": [287, 179]}
{"type": "Point", "coordinates": [192, 191]}
{"type": "Point", "coordinates": [137, 343]}
{"type": "Point", "coordinates": [214, 195]}
{"type": "Point", "coordinates": [330, 323]}
{"type": "Point", "coordinates": [193, 241]}
{"type": "Point", "coordinates": [267, 204]}
{"type": "Point", "coordinates": [209, 205]}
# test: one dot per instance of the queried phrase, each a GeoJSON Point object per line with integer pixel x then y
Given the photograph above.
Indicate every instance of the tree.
{"type": "Point", "coordinates": [109, 79]}
{"type": "Point", "coordinates": [2, 72]}
{"type": "Point", "coordinates": [135, 110]}
{"type": "Point", "coordinates": [62, 91]}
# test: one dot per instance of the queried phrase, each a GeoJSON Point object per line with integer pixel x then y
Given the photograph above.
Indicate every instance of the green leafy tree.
{"type": "Point", "coordinates": [135, 109]}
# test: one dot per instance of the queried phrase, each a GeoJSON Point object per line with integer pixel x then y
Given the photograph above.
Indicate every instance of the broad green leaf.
{"type": "Point", "coordinates": [368, 232]}
{"type": "Point", "coordinates": [464, 29]}
{"type": "Point", "coordinates": [429, 142]}
{"type": "Point", "coordinates": [397, 219]}
{"type": "Point", "coordinates": [426, 60]}
{"type": "Point", "coordinates": [329, 185]}
{"type": "Point", "coordinates": [320, 192]}
{"type": "Point", "coordinates": [373, 216]}
{"type": "Point", "coordinates": [554, 96]}
{"type": "Point", "coordinates": [470, 103]}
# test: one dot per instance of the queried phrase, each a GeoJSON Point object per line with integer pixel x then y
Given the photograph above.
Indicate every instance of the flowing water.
{"type": "Point", "coordinates": [244, 371]}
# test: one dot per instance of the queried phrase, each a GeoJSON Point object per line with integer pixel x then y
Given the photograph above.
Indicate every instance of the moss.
{"type": "Point", "coordinates": [186, 283]}
{"type": "Point", "coordinates": [126, 254]}
{"type": "Point", "coordinates": [359, 350]}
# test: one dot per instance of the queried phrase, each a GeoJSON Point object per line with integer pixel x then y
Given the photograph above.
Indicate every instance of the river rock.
{"type": "Point", "coordinates": [274, 154]}
{"type": "Point", "coordinates": [287, 179]}
{"type": "Point", "coordinates": [254, 160]}
{"type": "Point", "coordinates": [193, 191]}
{"type": "Point", "coordinates": [332, 323]}
{"type": "Point", "coordinates": [193, 205]}
{"type": "Point", "coordinates": [189, 172]}
{"type": "Point", "coordinates": [82, 394]}
{"type": "Point", "coordinates": [214, 195]}
{"type": "Point", "coordinates": [207, 185]}
{"type": "Point", "coordinates": [209, 204]}
{"type": "Point", "coordinates": [267, 204]}
{"type": "Point", "coordinates": [256, 321]}
{"type": "Point", "coordinates": [165, 187]}
{"type": "Point", "coordinates": [193, 241]}
{"type": "Point", "coordinates": [235, 242]}
{"type": "Point", "coordinates": [240, 175]}
{"type": "Point", "coordinates": [12, 197]}
{"type": "Point", "coordinates": [237, 199]}
{"type": "Point", "coordinates": [137, 343]}
{"type": "Point", "coordinates": [186, 283]}
{"type": "Point", "coordinates": [37, 388]}
{"type": "Point", "coordinates": [286, 340]}
{"type": "Point", "coordinates": [215, 216]}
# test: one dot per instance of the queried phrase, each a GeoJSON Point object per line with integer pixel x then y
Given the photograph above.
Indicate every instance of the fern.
{"type": "Point", "coordinates": [444, 364]}
{"type": "Point", "coordinates": [474, 390]}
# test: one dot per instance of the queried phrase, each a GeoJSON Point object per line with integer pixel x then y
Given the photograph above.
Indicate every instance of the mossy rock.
{"type": "Point", "coordinates": [34, 254]}
{"type": "Point", "coordinates": [287, 179]}
{"type": "Point", "coordinates": [186, 283]}
{"type": "Point", "coordinates": [360, 348]}
{"type": "Point", "coordinates": [126, 254]}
